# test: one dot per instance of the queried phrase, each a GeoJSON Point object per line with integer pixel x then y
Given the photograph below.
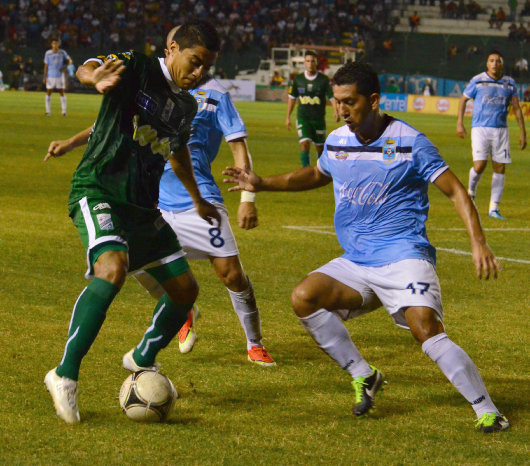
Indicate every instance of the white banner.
{"type": "Point", "coordinates": [240, 90]}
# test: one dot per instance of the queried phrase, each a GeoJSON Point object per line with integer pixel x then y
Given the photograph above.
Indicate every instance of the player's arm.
{"type": "Point", "coordinates": [247, 213]}
{"type": "Point", "coordinates": [460, 128]}
{"type": "Point", "coordinates": [518, 111]}
{"type": "Point", "coordinates": [58, 148]}
{"type": "Point", "coordinates": [291, 103]}
{"type": "Point", "coordinates": [103, 77]}
{"type": "Point", "coordinates": [485, 261]}
{"type": "Point", "coordinates": [45, 73]}
{"type": "Point", "coordinates": [180, 161]}
{"type": "Point", "coordinates": [302, 179]}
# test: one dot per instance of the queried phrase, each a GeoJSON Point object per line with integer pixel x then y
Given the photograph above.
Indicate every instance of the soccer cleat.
{"type": "Point", "coordinates": [130, 365]}
{"type": "Point", "coordinates": [64, 395]}
{"type": "Point", "coordinates": [259, 355]}
{"type": "Point", "coordinates": [47, 114]}
{"type": "Point", "coordinates": [187, 334]}
{"type": "Point", "coordinates": [64, 113]}
{"type": "Point", "coordinates": [365, 390]}
{"type": "Point", "coordinates": [491, 422]}
{"type": "Point", "coordinates": [496, 214]}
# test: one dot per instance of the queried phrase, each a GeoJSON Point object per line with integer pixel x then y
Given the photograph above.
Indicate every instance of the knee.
{"type": "Point", "coordinates": [304, 300]}
{"type": "Point", "coordinates": [114, 271]}
{"type": "Point", "coordinates": [233, 278]}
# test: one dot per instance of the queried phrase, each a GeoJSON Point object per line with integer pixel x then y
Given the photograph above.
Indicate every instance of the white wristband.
{"type": "Point", "coordinates": [247, 196]}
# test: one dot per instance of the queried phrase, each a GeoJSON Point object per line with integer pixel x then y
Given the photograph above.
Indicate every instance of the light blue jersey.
{"type": "Point", "coordinates": [56, 61]}
{"type": "Point", "coordinates": [216, 117]}
{"type": "Point", "coordinates": [490, 99]}
{"type": "Point", "coordinates": [381, 202]}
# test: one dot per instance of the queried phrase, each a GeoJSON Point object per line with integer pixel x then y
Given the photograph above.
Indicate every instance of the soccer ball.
{"type": "Point", "coordinates": [147, 396]}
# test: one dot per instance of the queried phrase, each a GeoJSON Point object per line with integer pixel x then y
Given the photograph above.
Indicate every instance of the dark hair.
{"type": "Point", "coordinates": [310, 52]}
{"type": "Point", "coordinates": [361, 74]}
{"type": "Point", "coordinates": [495, 52]}
{"type": "Point", "coordinates": [197, 32]}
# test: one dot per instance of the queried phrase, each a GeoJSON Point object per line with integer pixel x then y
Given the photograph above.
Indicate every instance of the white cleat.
{"type": "Point", "coordinates": [130, 365]}
{"type": "Point", "coordinates": [64, 395]}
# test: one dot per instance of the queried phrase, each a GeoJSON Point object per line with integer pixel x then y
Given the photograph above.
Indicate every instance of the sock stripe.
{"type": "Point", "coordinates": [67, 343]}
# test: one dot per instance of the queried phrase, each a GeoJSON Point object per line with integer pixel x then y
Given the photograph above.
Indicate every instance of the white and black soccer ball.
{"type": "Point", "coordinates": [147, 396]}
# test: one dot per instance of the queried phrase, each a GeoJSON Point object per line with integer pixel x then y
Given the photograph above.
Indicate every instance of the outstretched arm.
{"type": "Point", "coordinates": [302, 179]}
{"type": "Point", "coordinates": [103, 77]}
{"type": "Point", "coordinates": [247, 213]}
{"type": "Point", "coordinates": [58, 148]}
{"type": "Point", "coordinates": [485, 261]}
{"type": "Point", "coordinates": [181, 163]}
{"type": "Point", "coordinates": [520, 121]}
{"type": "Point", "coordinates": [290, 107]}
{"type": "Point", "coordinates": [460, 128]}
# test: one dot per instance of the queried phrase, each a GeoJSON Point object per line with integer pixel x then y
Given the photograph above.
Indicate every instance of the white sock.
{"type": "Point", "coordinates": [474, 178]}
{"type": "Point", "coordinates": [48, 102]}
{"type": "Point", "coordinates": [63, 104]}
{"type": "Point", "coordinates": [244, 303]}
{"type": "Point", "coordinates": [333, 338]}
{"type": "Point", "coordinates": [458, 367]}
{"type": "Point", "coordinates": [497, 188]}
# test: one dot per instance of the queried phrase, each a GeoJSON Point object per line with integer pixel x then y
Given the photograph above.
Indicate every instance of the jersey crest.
{"type": "Point", "coordinates": [389, 151]}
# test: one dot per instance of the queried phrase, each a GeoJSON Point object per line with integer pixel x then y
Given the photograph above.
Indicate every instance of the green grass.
{"type": "Point", "coordinates": [232, 412]}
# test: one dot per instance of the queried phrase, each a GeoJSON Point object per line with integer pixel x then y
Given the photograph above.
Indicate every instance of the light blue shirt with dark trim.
{"type": "Point", "coordinates": [490, 99]}
{"type": "Point", "coordinates": [216, 117]}
{"type": "Point", "coordinates": [380, 189]}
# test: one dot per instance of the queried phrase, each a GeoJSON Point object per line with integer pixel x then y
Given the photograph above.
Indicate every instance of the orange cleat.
{"type": "Point", "coordinates": [187, 335]}
{"type": "Point", "coordinates": [259, 355]}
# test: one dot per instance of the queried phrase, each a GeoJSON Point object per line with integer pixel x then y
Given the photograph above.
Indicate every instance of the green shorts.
{"type": "Point", "coordinates": [312, 130]}
{"type": "Point", "coordinates": [142, 233]}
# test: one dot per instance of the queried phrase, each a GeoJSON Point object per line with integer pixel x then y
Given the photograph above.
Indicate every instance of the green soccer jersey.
{"type": "Point", "coordinates": [311, 95]}
{"type": "Point", "coordinates": [139, 123]}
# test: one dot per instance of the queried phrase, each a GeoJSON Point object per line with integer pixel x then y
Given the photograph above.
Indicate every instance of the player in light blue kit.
{"type": "Point", "coordinates": [216, 117]}
{"type": "Point", "coordinates": [56, 61]}
{"type": "Point", "coordinates": [492, 93]}
{"type": "Point", "coordinates": [381, 169]}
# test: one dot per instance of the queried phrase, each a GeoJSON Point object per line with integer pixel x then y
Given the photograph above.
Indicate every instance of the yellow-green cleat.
{"type": "Point", "coordinates": [365, 390]}
{"type": "Point", "coordinates": [491, 422]}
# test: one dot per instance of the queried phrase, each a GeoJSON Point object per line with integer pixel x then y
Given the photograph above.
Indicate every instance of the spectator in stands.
{"type": "Point", "coordinates": [526, 9]}
{"type": "Point", "coordinates": [520, 69]}
{"type": "Point", "coordinates": [452, 52]}
{"type": "Point", "coordinates": [512, 32]}
{"type": "Point", "coordinates": [471, 50]}
{"type": "Point", "coordinates": [392, 87]}
{"type": "Point", "coordinates": [388, 46]}
{"type": "Point", "coordinates": [493, 18]}
{"type": "Point", "coordinates": [500, 17]}
{"type": "Point", "coordinates": [512, 5]}
{"type": "Point", "coordinates": [276, 80]}
{"type": "Point", "coordinates": [450, 9]}
{"type": "Point", "coordinates": [414, 22]}
{"type": "Point", "coordinates": [428, 88]}
{"type": "Point", "coordinates": [522, 33]}
{"type": "Point", "coordinates": [526, 95]}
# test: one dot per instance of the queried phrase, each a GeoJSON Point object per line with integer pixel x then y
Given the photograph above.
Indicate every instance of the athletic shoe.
{"type": "Point", "coordinates": [365, 390]}
{"type": "Point", "coordinates": [491, 422]}
{"type": "Point", "coordinates": [47, 114]}
{"type": "Point", "coordinates": [496, 214]}
{"type": "Point", "coordinates": [187, 334]}
{"type": "Point", "coordinates": [64, 395]}
{"type": "Point", "coordinates": [64, 114]}
{"type": "Point", "coordinates": [130, 365]}
{"type": "Point", "coordinates": [259, 355]}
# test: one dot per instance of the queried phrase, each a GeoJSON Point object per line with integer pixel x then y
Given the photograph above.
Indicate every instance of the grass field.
{"type": "Point", "coordinates": [232, 412]}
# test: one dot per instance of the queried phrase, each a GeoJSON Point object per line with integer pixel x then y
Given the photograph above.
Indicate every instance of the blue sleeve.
{"type": "Point", "coordinates": [323, 162]}
{"type": "Point", "coordinates": [471, 89]}
{"type": "Point", "coordinates": [228, 119]}
{"type": "Point", "coordinates": [426, 158]}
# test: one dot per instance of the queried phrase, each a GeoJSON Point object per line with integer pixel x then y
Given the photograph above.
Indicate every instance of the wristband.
{"type": "Point", "coordinates": [247, 196]}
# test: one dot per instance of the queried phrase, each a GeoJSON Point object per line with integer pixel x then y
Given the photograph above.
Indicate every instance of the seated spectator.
{"type": "Point", "coordinates": [512, 32]}
{"type": "Point", "coordinates": [392, 87]}
{"type": "Point", "coordinates": [451, 9]}
{"type": "Point", "coordinates": [526, 9]}
{"type": "Point", "coordinates": [521, 33]}
{"type": "Point", "coordinates": [276, 80]}
{"type": "Point", "coordinates": [414, 22]}
{"type": "Point", "coordinates": [501, 17]}
{"type": "Point", "coordinates": [388, 46]}
{"type": "Point", "coordinates": [493, 18]}
{"type": "Point", "coordinates": [472, 50]}
{"type": "Point", "coordinates": [452, 52]}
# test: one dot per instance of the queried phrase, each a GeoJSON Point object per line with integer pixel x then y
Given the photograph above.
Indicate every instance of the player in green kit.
{"type": "Point", "coordinates": [310, 89]}
{"type": "Point", "coordinates": [144, 120]}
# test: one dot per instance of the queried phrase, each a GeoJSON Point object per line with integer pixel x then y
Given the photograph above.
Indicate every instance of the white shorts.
{"type": "Point", "coordinates": [55, 83]}
{"type": "Point", "coordinates": [198, 238]}
{"type": "Point", "coordinates": [490, 142]}
{"type": "Point", "coordinates": [397, 286]}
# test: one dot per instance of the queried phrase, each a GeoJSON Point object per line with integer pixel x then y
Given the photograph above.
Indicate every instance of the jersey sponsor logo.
{"type": "Point", "coordinates": [341, 155]}
{"type": "Point", "coordinates": [310, 87]}
{"type": "Point", "coordinates": [494, 100]}
{"type": "Point", "coordinates": [101, 206]}
{"type": "Point", "coordinates": [145, 135]}
{"type": "Point", "coordinates": [105, 222]}
{"type": "Point", "coordinates": [373, 193]}
{"type": "Point", "coordinates": [389, 152]}
{"type": "Point", "coordinates": [307, 100]}
{"type": "Point", "coordinates": [168, 109]}
{"type": "Point", "coordinates": [342, 141]}
{"type": "Point", "coordinates": [146, 102]}
{"type": "Point", "coordinates": [301, 90]}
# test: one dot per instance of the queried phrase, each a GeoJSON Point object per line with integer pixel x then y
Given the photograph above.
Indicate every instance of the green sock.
{"type": "Point", "coordinates": [304, 158]}
{"type": "Point", "coordinates": [168, 318]}
{"type": "Point", "coordinates": [87, 318]}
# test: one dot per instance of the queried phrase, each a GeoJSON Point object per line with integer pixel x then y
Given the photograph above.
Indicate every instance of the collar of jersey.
{"type": "Point", "coordinates": [170, 81]}
{"type": "Point", "coordinates": [310, 78]}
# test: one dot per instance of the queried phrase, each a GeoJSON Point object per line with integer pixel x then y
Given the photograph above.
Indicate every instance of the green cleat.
{"type": "Point", "coordinates": [491, 422]}
{"type": "Point", "coordinates": [365, 390]}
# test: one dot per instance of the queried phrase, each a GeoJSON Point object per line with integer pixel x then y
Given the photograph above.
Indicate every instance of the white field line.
{"type": "Point", "coordinates": [328, 230]}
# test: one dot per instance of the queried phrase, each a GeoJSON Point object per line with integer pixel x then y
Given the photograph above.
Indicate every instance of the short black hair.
{"type": "Point", "coordinates": [197, 32]}
{"type": "Point", "coordinates": [310, 52]}
{"type": "Point", "coordinates": [495, 52]}
{"type": "Point", "coordinates": [361, 74]}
